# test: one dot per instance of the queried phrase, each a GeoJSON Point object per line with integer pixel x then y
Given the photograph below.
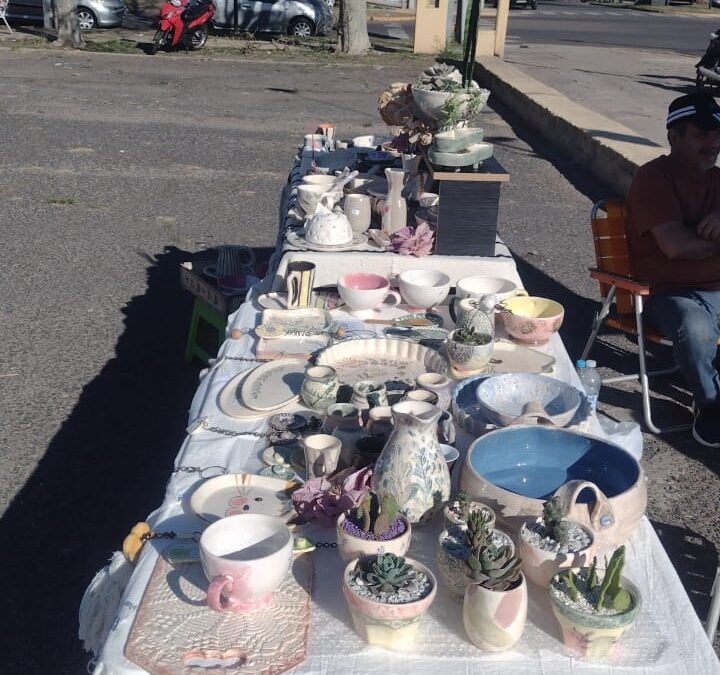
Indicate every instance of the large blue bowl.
{"type": "Point", "coordinates": [518, 468]}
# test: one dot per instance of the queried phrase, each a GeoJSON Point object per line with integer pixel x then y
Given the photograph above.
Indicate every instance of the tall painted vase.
{"type": "Point", "coordinates": [394, 209]}
{"type": "Point", "coordinates": [410, 466]}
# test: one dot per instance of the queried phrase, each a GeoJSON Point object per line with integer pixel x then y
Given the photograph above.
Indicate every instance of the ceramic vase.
{"type": "Point", "coordinates": [438, 384]}
{"type": "Point", "coordinates": [494, 620]}
{"type": "Point", "coordinates": [394, 208]}
{"type": "Point", "coordinates": [394, 626]}
{"type": "Point", "coordinates": [320, 387]}
{"type": "Point", "coordinates": [411, 467]}
{"type": "Point", "coordinates": [594, 636]}
{"type": "Point", "coordinates": [348, 429]}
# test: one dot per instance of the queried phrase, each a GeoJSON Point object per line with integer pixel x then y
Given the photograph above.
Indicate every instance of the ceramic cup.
{"type": "Point", "coordinates": [362, 292]}
{"type": "Point", "coordinates": [357, 210]}
{"type": "Point", "coordinates": [325, 180]}
{"type": "Point", "coordinates": [299, 280]}
{"type": "Point", "coordinates": [245, 558]}
{"type": "Point", "coordinates": [421, 395]}
{"type": "Point", "coordinates": [423, 288]}
{"type": "Point", "coordinates": [369, 394]}
{"type": "Point", "coordinates": [322, 453]}
{"type": "Point", "coordinates": [450, 454]}
{"type": "Point", "coordinates": [314, 141]}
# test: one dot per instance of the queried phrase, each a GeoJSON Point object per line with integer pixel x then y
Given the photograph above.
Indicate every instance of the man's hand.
{"type": "Point", "coordinates": [709, 227]}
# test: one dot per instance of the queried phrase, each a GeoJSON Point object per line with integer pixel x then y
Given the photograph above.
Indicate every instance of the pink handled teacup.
{"type": "Point", "coordinates": [362, 292]}
{"type": "Point", "coordinates": [245, 558]}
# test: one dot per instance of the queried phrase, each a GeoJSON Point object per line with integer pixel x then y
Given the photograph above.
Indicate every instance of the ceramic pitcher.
{"type": "Point", "coordinates": [394, 209]}
{"type": "Point", "coordinates": [410, 466]}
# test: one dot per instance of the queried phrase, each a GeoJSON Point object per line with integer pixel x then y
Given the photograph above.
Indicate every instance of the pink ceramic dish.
{"type": "Point", "coordinates": [362, 292]}
{"type": "Point", "coordinates": [531, 319]}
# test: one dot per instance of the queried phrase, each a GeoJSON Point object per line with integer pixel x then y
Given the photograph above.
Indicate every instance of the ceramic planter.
{"type": "Point", "coordinates": [441, 385]}
{"type": "Point", "coordinates": [452, 519]}
{"type": "Point", "coordinates": [320, 387]}
{"type": "Point", "coordinates": [351, 547]}
{"type": "Point", "coordinates": [468, 357]}
{"type": "Point", "coordinates": [394, 626]}
{"type": "Point", "coordinates": [494, 620]}
{"type": "Point", "coordinates": [540, 566]}
{"type": "Point", "coordinates": [593, 635]}
{"type": "Point", "coordinates": [452, 569]}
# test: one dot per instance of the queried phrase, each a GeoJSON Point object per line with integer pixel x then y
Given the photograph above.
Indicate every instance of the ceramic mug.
{"type": "Point", "coordinates": [299, 280]}
{"type": "Point", "coordinates": [245, 558]}
{"type": "Point", "coordinates": [362, 292]}
{"type": "Point", "coordinates": [358, 212]}
{"type": "Point", "coordinates": [322, 453]}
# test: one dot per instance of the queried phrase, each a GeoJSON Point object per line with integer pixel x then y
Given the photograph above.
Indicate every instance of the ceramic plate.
{"type": "Point", "coordinates": [279, 455]}
{"type": "Point", "coordinates": [230, 402]}
{"type": "Point", "coordinates": [273, 385]}
{"type": "Point", "coordinates": [381, 359]}
{"type": "Point", "coordinates": [298, 239]}
{"type": "Point", "coordinates": [320, 299]}
{"type": "Point", "coordinates": [237, 493]}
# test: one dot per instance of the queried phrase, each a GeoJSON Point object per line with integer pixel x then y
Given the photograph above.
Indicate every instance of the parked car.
{"type": "Point", "coordinates": [91, 13]}
{"type": "Point", "coordinates": [301, 18]}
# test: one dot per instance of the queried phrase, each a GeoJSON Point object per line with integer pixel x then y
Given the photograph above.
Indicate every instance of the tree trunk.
{"type": "Point", "coordinates": [352, 31]}
{"type": "Point", "coordinates": [68, 31]}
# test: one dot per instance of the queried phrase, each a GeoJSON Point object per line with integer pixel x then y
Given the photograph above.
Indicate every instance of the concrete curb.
{"type": "Point", "coordinates": [610, 150]}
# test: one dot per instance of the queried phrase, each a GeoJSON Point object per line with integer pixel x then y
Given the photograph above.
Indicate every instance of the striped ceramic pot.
{"type": "Point", "coordinates": [494, 620]}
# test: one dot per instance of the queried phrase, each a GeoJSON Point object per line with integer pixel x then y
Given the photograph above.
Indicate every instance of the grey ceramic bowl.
{"type": "Point", "coordinates": [503, 397]}
{"type": "Point", "coordinates": [457, 139]}
{"type": "Point", "coordinates": [472, 155]}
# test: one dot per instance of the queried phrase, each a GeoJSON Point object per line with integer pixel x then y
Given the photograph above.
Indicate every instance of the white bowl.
{"type": "Point", "coordinates": [424, 288]}
{"type": "Point", "coordinates": [503, 397]}
{"type": "Point", "coordinates": [309, 196]}
{"type": "Point", "coordinates": [476, 287]}
{"type": "Point", "coordinates": [319, 179]}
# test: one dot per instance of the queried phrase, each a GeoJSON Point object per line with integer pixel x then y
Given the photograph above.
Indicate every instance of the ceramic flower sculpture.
{"type": "Point", "coordinates": [417, 241]}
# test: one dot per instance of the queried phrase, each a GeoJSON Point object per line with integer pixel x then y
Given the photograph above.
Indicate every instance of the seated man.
{"type": "Point", "coordinates": [674, 237]}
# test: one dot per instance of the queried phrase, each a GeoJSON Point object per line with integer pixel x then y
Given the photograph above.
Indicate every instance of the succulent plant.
{"type": "Point", "coordinates": [467, 336]}
{"type": "Point", "coordinates": [555, 525]}
{"type": "Point", "coordinates": [608, 593]}
{"type": "Point", "coordinates": [478, 532]}
{"type": "Point", "coordinates": [464, 500]}
{"type": "Point", "coordinates": [388, 573]}
{"type": "Point", "coordinates": [494, 567]}
{"type": "Point", "coordinates": [376, 515]}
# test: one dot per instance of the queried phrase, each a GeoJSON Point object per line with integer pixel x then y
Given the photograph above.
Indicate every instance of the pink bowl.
{"type": "Point", "coordinates": [531, 319]}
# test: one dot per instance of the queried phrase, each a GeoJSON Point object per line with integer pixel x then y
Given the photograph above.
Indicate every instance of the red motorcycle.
{"type": "Point", "coordinates": [183, 21]}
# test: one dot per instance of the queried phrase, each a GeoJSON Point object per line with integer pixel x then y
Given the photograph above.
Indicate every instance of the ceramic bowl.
{"type": "Point", "coordinates": [532, 319]}
{"type": "Point", "coordinates": [450, 454]}
{"type": "Point", "coordinates": [362, 292]}
{"type": "Point", "coordinates": [503, 397]}
{"type": "Point", "coordinates": [254, 549]}
{"type": "Point", "coordinates": [309, 195]}
{"type": "Point", "coordinates": [364, 144]}
{"type": "Point", "coordinates": [318, 179]}
{"type": "Point", "coordinates": [423, 288]}
{"type": "Point", "coordinates": [515, 470]}
{"type": "Point", "coordinates": [476, 287]}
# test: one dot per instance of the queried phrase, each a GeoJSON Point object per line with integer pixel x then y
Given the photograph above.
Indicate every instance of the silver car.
{"type": "Point", "coordinates": [91, 13]}
{"type": "Point", "coordinates": [301, 18]}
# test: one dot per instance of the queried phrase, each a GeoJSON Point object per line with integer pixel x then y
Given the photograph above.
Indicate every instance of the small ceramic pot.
{"type": "Point", "coordinates": [495, 620]}
{"type": "Point", "coordinates": [451, 512]}
{"type": "Point", "coordinates": [380, 422]}
{"type": "Point", "coordinates": [369, 394]}
{"type": "Point", "coordinates": [320, 387]}
{"type": "Point", "coordinates": [351, 547]}
{"type": "Point", "coordinates": [423, 288]}
{"type": "Point", "coordinates": [540, 566]}
{"type": "Point", "coordinates": [452, 569]}
{"type": "Point", "coordinates": [421, 395]}
{"type": "Point", "coordinates": [362, 292]}
{"type": "Point", "coordinates": [532, 320]}
{"type": "Point", "coordinates": [348, 430]}
{"type": "Point", "coordinates": [439, 384]}
{"type": "Point", "coordinates": [594, 636]}
{"type": "Point", "coordinates": [336, 413]}
{"type": "Point", "coordinates": [466, 357]}
{"type": "Point", "coordinates": [393, 626]}
{"type": "Point", "coordinates": [322, 454]}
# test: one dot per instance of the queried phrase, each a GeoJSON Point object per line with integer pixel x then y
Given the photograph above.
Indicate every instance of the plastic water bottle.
{"type": "Point", "coordinates": [590, 380]}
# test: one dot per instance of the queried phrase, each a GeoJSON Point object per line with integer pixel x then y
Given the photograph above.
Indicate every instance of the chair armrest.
{"type": "Point", "coordinates": [626, 283]}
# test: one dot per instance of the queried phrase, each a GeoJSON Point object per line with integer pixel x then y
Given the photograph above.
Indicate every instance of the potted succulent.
{"type": "Point", "coordinates": [373, 527]}
{"type": "Point", "coordinates": [457, 542]}
{"type": "Point", "coordinates": [387, 595]}
{"type": "Point", "coordinates": [553, 542]}
{"type": "Point", "coordinates": [458, 511]}
{"type": "Point", "coordinates": [468, 350]}
{"type": "Point", "coordinates": [496, 599]}
{"type": "Point", "coordinates": [594, 612]}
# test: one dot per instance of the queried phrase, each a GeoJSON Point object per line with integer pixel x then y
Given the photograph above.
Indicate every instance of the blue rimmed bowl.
{"type": "Point", "coordinates": [516, 469]}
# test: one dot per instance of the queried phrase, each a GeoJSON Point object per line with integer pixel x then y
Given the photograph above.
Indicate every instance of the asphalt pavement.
{"type": "Point", "coordinates": [116, 168]}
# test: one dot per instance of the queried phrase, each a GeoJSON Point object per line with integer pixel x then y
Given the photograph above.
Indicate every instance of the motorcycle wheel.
{"type": "Point", "coordinates": [198, 37]}
{"type": "Point", "coordinates": [159, 41]}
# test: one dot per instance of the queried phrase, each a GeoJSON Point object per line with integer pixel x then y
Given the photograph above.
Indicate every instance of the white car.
{"type": "Point", "coordinates": [301, 18]}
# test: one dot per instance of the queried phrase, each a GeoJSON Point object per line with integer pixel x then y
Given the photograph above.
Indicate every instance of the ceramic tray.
{"type": "Point", "coordinates": [174, 626]}
{"type": "Point", "coordinates": [298, 240]}
{"type": "Point", "coordinates": [468, 414]}
{"type": "Point", "coordinates": [510, 357]}
{"type": "Point", "coordinates": [307, 319]}
{"type": "Point", "coordinates": [236, 493]}
{"type": "Point", "coordinates": [381, 359]}
{"type": "Point", "coordinates": [273, 385]}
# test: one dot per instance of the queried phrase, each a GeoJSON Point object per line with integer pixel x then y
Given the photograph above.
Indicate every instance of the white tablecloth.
{"type": "Point", "coordinates": [667, 638]}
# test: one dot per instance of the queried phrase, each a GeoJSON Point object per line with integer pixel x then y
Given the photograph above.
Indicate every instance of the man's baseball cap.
{"type": "Point", "coordinates": [700, 108]}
